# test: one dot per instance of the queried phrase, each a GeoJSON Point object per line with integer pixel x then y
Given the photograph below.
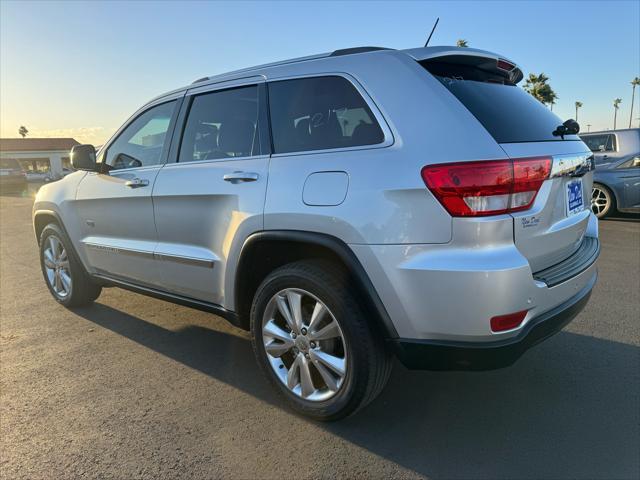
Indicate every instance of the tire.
{"type": "Point", "coordinates": [69, 283]}
{"type": "Point", "coordinates": [602, 201]}
{"type": "Point", "coordinates": [352, 345]}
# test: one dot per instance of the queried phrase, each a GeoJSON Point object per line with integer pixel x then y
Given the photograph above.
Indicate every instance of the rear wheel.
{"type": "Point", "coordinates": [63, 273]}
{"type": "Point", "coordinates": [602, 201]}
{"type": "Point", "coordinates": [312, 340]}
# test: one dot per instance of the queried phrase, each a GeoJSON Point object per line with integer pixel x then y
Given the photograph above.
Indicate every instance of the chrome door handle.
{"type": "Point", "coordinates": [137, 183]}
{"type": "Point", "coordinates": [238, 177]}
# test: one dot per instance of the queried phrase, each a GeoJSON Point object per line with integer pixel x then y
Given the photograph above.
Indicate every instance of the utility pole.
{"type": "Point", "coordinates": [588, 127]}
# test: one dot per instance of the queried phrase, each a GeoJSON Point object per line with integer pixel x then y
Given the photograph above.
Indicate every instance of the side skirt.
{"type": "Point", "coordinates": [228, 315]}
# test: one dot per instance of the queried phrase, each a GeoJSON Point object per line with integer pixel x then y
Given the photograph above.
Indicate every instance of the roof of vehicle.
{"type": "Point", "coordinates": [36, 144]}
{"type": "Point", "coordinates": [419, 54]}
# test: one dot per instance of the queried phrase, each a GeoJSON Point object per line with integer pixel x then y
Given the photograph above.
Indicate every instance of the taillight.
{"type": "Point", "coordinates": [492, 187]}
{"type": "Point", "coordinates": [502, 64]}
{"type": "Point", "coordinates": [502, 323]}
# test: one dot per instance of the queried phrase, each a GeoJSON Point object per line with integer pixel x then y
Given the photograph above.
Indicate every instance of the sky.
{"type": "Point", "coordinates": [80, 69]}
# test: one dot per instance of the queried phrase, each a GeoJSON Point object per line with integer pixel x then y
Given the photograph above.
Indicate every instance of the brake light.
{"type": "Point", "coordinates": [504, 65]}
{"type": "Point", "coordinates": [493, 187]}
{"type": "Point", "coordinates": [502, 323]}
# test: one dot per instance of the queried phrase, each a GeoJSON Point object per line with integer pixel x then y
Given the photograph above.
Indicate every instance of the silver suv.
{"type": "Point", "coordinates": [342, 207]}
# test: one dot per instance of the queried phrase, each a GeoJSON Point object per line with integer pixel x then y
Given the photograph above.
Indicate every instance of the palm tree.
{"type": "Point", "coordinates": [634, 83]}
{"type": "Point", "coordinates": [616, 106]}
{"type": "Point", "coordinates": [552, 98]}
{"type": "Point", "coordinates": [578, 105]}
{"type": "Point", "coordinates": [462, 43]}
{"type": "Point", "coordinates": [537, 86]}
{"type": "Point", "coordinates": [23, 131]}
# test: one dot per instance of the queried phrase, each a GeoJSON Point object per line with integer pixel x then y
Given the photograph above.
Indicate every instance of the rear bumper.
{"type": "Point", "coordinates": [453, 355]}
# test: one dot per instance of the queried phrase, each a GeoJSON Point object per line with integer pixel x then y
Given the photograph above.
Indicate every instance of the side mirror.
{"type": "Point", "coordinates": [83, 157]}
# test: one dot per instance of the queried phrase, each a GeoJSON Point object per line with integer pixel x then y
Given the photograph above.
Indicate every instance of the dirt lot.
{"type": "Point", "coordinates": [138, 388]}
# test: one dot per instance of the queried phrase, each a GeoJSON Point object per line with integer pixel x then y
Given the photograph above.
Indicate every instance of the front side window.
{"type": "Point", "coordinates": [600, 143]}
{"type": "Point", "coordinates": [142, 142]}
{"type": "Point", "coordinates": [320, 113]}
{"type": "Point", "coordinates": [222, 124]}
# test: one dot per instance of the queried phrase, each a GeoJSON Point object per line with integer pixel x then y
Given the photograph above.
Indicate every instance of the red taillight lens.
{"type": "Point", "coordinates": [528, 176]}
{"type": "Point", "coordinates": [492, 187]}
{"type": "Point", "coordinates": [502, 323]}
{"type": "Point", "coordinates": [504, 65]}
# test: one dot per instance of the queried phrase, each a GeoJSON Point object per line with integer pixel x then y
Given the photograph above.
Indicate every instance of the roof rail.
{"type": "Point", "coordinates": [351, 51]}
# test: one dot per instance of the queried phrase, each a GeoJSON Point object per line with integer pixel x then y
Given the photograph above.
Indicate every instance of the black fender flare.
{"type": "Point", "coordinates": [335, 245]}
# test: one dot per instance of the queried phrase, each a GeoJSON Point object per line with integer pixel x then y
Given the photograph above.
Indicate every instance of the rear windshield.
{"type": "Point", "coordinates": [508, 113]}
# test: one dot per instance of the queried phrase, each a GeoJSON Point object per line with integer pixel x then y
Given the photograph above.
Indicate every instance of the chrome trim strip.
{"type": "Point", "coordinates": [119, 250]}
{"type": "Point", "coordinates": [199, 262]}
{"type": "Point", "coordinates": [572, 165]}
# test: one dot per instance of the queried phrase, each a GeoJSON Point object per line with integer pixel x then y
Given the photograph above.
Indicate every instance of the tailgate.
{"type": "Point", "coordinates": [554, 227]}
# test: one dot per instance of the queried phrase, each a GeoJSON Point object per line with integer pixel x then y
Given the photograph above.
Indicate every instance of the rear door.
{"type": "Point", "coordinates": [212, 192]}
{"type": "Point", "coordinates": [553, 228]}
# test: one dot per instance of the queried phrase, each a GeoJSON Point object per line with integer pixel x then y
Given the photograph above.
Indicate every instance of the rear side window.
{"type": "Point", "coordinates": [320, 113]}
{"type": "Point", "coordinates": [505, 110]}
{"type": "Point", "coordinates": [222, 124]}
{"type": "Point", "coordinates": [600, 143]}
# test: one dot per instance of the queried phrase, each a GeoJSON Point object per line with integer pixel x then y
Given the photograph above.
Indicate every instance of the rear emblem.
{"type": "Point", "coordinates": [532, 221]}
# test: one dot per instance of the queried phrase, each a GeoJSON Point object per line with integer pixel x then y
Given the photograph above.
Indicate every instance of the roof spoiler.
{"type": "Point", "coordinates": [488, 62]}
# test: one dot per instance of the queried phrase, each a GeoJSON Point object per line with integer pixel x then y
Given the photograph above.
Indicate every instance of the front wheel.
{"type": "Point", "coordinates": [65, 276]}
{"type": "Point", "coordinates": [313, 342]}
{"type": "Point", "coordinates": [602, 201]}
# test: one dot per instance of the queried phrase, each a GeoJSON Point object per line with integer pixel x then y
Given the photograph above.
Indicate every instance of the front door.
{"type": "Point", "coordinates": [115, 207]}
{"type": "Point", "coordinates": [212, 193]}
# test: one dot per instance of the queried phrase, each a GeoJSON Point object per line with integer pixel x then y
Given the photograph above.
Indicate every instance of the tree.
{"type": "Point", "coordinates": [578, 105]}
{"type": "Point", "coordinates": [634, 83]}
{"type": "Point", "coordinates": [23, 131]}
{"type": "Point", "coordinates": [537, 86]}
{"type": "Point", "coordinates": [552, 99]}
{"type": "Point", "coordinates": [462, 43]}
{"type": "Point", "coordinates": [616, 106]}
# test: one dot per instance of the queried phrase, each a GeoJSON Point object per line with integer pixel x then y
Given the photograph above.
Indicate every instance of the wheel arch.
{"type": "Point", "coordinates": [42, 218]}
{"type": "Point", "coordinates": [264, 251]}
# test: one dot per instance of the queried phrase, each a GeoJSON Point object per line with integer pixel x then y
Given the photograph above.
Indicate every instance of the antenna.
{"type": "Point", "coordinates": [432, 30]}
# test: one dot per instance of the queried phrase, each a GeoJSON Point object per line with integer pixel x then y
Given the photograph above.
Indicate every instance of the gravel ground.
{"type": "Point", "coordinates": [134, 387]}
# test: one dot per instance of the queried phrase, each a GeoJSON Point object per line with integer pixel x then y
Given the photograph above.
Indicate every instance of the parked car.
{"type": "Point", "coordinates": [12, 177]}
{"type": "Point", "coordinates": [616, 184]}
{"type": "Point", "coordinates": [342, 208]}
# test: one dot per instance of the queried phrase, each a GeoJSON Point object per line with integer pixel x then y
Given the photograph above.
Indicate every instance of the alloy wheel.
{"type": "Point", "coordinates": [56, 264]}
{"type": "Point", "coordinates": [304, 344]}
{"type": "Point", "coordinates": [599, 201]}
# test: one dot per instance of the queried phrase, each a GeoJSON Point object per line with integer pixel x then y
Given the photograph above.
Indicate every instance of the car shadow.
{"type": "Point", "coordinates": [568, 408]}
{"type": "Point", "coordinates": [622, 217]}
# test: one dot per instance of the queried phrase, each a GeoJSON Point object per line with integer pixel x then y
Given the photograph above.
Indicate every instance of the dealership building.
{"type": "Point", "coordinates": [39, 155]}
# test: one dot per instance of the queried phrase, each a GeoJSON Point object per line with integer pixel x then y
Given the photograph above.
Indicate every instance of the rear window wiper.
{"type": "Point", "coordinates": [570, 127]}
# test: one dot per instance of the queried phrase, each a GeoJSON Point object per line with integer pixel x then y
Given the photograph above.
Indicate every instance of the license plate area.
{"type": "Point", "coordinates": [574, 196]}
